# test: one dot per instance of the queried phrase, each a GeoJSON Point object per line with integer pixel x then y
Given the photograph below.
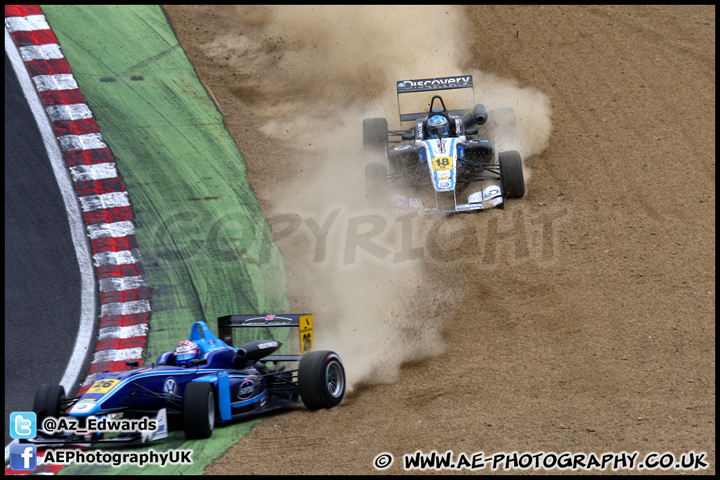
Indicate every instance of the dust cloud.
{"type": "Point", "coordinates": [311, 74]}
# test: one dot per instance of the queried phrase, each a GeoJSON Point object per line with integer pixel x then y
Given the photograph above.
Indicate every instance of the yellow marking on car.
{"type": "Point", "coordinates": [103, 386]}
{"type": "Point", "coordinates": [442, 163]}
{"type": "Point", "coordinates": [306, 333]}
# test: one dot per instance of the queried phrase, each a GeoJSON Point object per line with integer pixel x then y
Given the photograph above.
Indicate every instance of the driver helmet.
{"type": "Point", "coordinates": [186, 351]}
{"type": "Point", "coordinates": [438, 125]}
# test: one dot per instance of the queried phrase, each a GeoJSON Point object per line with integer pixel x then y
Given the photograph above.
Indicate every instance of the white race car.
{"type": "Point", "coordinates": [445, 162]}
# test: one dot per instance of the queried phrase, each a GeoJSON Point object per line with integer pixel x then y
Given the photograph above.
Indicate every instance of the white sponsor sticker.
{"type": "Point", "coordinates": [82, 407]}
{"type": "Point", "coordinates": [493, 191]}
{"type": "Point", "coordinates": [170, 386]}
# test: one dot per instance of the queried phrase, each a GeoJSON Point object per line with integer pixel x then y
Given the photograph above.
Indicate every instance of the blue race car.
{"type": "Point", "coordinates": [203, 381]}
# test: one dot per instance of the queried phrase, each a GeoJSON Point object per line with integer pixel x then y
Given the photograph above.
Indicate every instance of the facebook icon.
{"type": "Point", "coordinates": [23, 456]}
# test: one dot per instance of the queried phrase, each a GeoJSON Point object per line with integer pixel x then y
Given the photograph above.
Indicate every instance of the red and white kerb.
{"type": "Point", "coordinates": [124, 294]}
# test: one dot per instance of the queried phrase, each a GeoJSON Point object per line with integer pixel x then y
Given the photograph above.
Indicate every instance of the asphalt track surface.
{"type": "Point", "coordinates": [42, 278]}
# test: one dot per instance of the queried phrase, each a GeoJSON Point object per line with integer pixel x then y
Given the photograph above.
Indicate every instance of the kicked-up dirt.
{"type": "Point", "coordinates": [581, 318]}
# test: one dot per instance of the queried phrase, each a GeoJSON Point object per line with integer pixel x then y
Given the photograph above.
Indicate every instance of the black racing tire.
{"type": "Point", "coordinates": [198, 410]}
{"type": "Point", "coordinates": [48, 401]}
{"type": "Point", "coordinates": [511, 173]}
{"type": "Point", "coordinates": [321, 379]}
{"type": "Point", "coordinates": [376, 184]}
{"type": "Point", "coordinates": [375, 136]}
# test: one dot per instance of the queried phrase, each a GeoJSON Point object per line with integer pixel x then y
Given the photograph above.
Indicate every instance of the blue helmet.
{"type": "Point", "coordinates": [438, 125]}
{"type": "Point", "coordinates": [186, 351]}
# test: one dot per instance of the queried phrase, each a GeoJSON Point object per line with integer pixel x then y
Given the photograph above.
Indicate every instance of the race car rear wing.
{"type": "Point", "coordinates": [303, 321]}
{"type": "Point", "coordinates": [432, 84]}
